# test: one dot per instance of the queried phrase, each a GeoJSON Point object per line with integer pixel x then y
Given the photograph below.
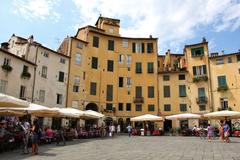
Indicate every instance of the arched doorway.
{"type": "Point", "coordinates": [92, 106]}
{"type": "Point", "coordinates": [121, 123]}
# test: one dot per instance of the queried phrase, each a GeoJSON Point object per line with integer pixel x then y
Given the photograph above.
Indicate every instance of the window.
{"type": "Point", "coordinates": [201, 93]}
{"type": "Point", "coordinates": [150, 91]}
{"type": "Point", "coordinates": [150, 67]}
{"type": "Point", "coordinates": [74, 104]}
{"type": "Point", "coordinates": [62, 60]}
{"type": "Point", "coordinates": [202, 107]}
{"type": "Point", "coordinates": [109, 92]}
{"type": "Point", "coordinates": [77, 80]}
{"type": "Point", "coordinates": [219, 60]}
{"type": "Point", "coordinates": [94, 62]}
{"type": "Point", "coordinates": [138, 67]}
{"type": "Point", "coordinates": [138, 107]}
{"type": "Point", "coordinates": [95, 41]}
{"type": "Point", "coordinates": [61, 76]}
{"type": "Point", "coordinates": [7, 61]}
{"type": "Point", "coordinates": [120, 81]}
{"type": "Point", "coordinates": [183, 107]}
{"type": "Point", "coordinates": [109, 106]}
{"type": "Point", "coordinates": [93, 88]}
{"type": "Point", "coordinates": [166, 77]}
{"type": "Point", "coordinates": [224, 103]}
{"type": "Point", "coordinates": [129, 59]}
{"type": "Point", "coordinates": [59, 98]}
{"type": "Point", "coordinates": [138, 47]}
{"type": "Point", "coordinates": [167, 107]}
{"type": "Point", "coordinates": [45, 54]}
{"type": "Point", "coordinates": [75, 88]}
{"type": "Point", "coordinates": [128, 107]}
{"type": "Point", "coordinates": [3, 86]}
{"type": "Point", "coordinates": [229, 59]}
{"type": "Point", "coordinates": [41, 96]}
{"type": "Point", "coordinates": [199, 70]}
{"type": "Point", "coordinates": [110, 45]}
{"type": "Point", "coordinates": [125, 43]}
{"type": "Point", "coordinates": [22, 93]}
{"type": "Point", "coordinates": [138, 92]}
{"type": "Point", "coordinates": [149, 47]}
{"type": "Point", "coordinates": [238, 58]}
{"type": "Point", "coordinates": [44, 71]}
{"type": "Point", "coordinates": [197, 52]}
{"type": "Point", "coordinates": [142, 50]}
{"type": "Point", "coordinates": [110, 66]}
{"type": "Point", "coordinates": [181, 77]}
{"type": "Point", "coordinates": [120, 58]}
{"type": "Point", "coordinates": [182, 91]}
{"type": "Point", "coordinates": [78, 59]}
{"type": "Point", "coordinates": [79, 45]}
{"type": "Point", "coordinates": [120, 106]}
{"type": "Point", "coordinates": [84, 75]}
{"type": "Point", "coordinates": [166, 91]}
{"type": "Point", "coordinates": [134, 47]}
{"type": "Point", "coordinates": [222, 81]}
{"type": "Point", "coordinates": [129, 81]}
{"type": "Point", "coordinates": [25, 69]}
{"type": "Point", "coordinates": [151, 107]}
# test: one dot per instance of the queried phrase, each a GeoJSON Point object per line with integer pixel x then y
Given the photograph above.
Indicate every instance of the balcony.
{"type": "Point", "coordinates": [200, 78]}
{"type": "Point", "coordinates": [202, 100]}
{"type": "Point", "coordinates": [222, 88]}
{"type": "Point", "coordinates": [138, 100]}
{"type": "Point", "coordinates": [26, 74]}
{"type": "Point", "coordinates": [7, 68]}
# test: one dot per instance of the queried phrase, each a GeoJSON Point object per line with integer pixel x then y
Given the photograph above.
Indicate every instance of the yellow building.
{"type": "Point", "coordinates": [112, 74]}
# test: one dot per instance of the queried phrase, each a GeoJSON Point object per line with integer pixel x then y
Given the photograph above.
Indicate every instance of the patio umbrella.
{"type": "Point", "coordinates": [70, 112]}
{"type": "Point", "coordinates": [42, 111]}
{"type": "Point", "coordinates": [223, 115]}
{"type": "Point", "coordinates": [183, 116]}
{"type": "Point", "coordinates": [10, 101]}
{"type": "Point", "coordinates": [10, 111]}
{"type": "Point", "coordinates": [90, 114]}
{"type": "Point", "coordinates": [146, 117]}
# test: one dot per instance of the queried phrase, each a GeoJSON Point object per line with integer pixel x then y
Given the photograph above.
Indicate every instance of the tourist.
{"type": "Point", "coordinates": [226, 130]}
{"type": "Point", "coordinates": [129, 129]}
{"type": "Point", "coordinates": [209, 132]}
{"type": "Point", "coordinates": [35, 137]}
{"type": "Point", "coordinates": [49, 134]}
{"type": "Point", "coordinates": [118, 129]}
{"type": "Point", "coordinates": [26, 132]}
{"type": "Point", "coordinates": [60, 136]}
{"type": "Point", "coordinates": [221, 131]}
{"type": "Point", "coordinates": [112, 130]}
{"type": "Point", "coordinates": [102, 131]}
{"type": "Point", "coordinates": [194, 130]}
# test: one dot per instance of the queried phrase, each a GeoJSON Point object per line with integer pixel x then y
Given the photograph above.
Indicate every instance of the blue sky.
{"type": "Point", "coordinates": [174, 22]}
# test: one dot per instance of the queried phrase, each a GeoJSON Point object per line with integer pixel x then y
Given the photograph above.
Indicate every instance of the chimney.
{"type": "Point", "coordinates": [4, 45]}
{"type": "Point", "coordinates": [204, 39]}
{"type": "Point", "coordinates": [150, 36]}
{"type": "Point", "coordinates": [30, 39]}
{"type": "Point", "coordinates": [222, 52]}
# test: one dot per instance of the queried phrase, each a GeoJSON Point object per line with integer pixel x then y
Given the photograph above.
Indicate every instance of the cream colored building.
{"type": "Point", "coordinates": [16, 75]}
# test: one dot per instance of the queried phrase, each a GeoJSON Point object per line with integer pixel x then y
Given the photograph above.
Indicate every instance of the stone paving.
{"type": "Point", "coordinates": [135, 148]}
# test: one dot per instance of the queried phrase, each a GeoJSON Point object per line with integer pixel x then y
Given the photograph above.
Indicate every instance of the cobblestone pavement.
{"type": "Point", "coordinates": [135, 148]}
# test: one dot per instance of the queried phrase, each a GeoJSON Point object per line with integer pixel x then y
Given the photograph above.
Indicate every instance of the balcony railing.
{"type": "Point", "coordinates": [200, 78]}
{"type": "Point", "coordinates": [202, 100]}
{"type": "Point", "coordinates": [222, 88]}
{"type": "Point", "coordinates": [138, 100]}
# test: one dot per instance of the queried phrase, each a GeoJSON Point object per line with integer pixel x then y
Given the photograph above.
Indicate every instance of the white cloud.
{"type": "Point", "coordinates": [172, 21]}
{"type": "Point", "coordinates": [36, 9]}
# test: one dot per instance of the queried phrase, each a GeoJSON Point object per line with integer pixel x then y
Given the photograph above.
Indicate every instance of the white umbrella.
{"type": "Point", "coordinates": [10, 101]}
{"type": "Point", "coordinates": [146, 117]}
{"type": "Point", "coordinates": [183, 116]}
{"type": "Point", "coordinates": [90, 114]}
{"type": "Point", "coordinates": [70, 112]}
{"type": "Point", "coordinates": [223, 114]}
{"type": "Point", "coordinates": [10, 111]}
{"type": "Point", "coordinates": [39, 110]}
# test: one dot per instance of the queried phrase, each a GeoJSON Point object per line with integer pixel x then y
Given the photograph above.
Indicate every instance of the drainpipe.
{"type": "Point", "coordinates": [34, 77]}
{"type": "Point", "coordinates": [210, 86]}
{"type": "Point", "coordinates": [69, 65]}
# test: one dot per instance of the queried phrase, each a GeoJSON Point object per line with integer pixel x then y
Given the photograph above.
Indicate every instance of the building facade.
{"type": "Point", "coordinates": [112, 74]}
{"type": "Point", "coordinates": [16, 75]}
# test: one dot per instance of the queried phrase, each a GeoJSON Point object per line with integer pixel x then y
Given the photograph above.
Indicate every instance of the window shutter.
{"type": "Point", "coordinates": [143, 49]}
{"type": "Point", "coordinates": [194, 70]}
{"type": "Point", "coordinates": [224, 83]}
{"type": "Point", "coordinates": [133, 47]}
{"type": "Point", "coordinates": [204, 69]}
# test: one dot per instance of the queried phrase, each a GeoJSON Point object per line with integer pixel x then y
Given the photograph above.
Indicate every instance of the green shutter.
{"type": "Point", "coordinates": [143, 48]}
{"type": "Point", "coordinates": [133, 47]}
{"type": "Point", "coordinates": [222, 81]}
{"type": "Point", "coordinates": [204, 69]}
{"type": "Point", "coordinates": [194, 70]}
{"type": "Point", "coordinates": [182, 91]}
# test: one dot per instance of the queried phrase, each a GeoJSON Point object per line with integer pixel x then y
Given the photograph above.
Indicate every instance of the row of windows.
{"type": "Point", "coordinates": [138, 107]}
{"type": "Point", "coordinates": [182, 107]}
{"type": "Point", "coordinates": [167, 77]}
{"type": "Point", "coordinates": [46, 54]}
{"type": "Point", "coordinates": [60, 74]}
{"type": "Point", "coordinates": [220, 60]}
{"type": "Point", "coordinates": [167, 93]}
{"type": "Point", "coordinates": [136, 47]}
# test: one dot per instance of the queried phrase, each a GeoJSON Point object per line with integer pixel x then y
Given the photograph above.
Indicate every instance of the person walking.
{"type": "Point", "coordinates": [118, 129]}
{"type": "Point", "coordinates": [221, 131]}
{"type": "Point", "coordinates": [129, 129]}
{"type": "Point", "coordinates": [35, 137]}
{"type": "Point", "coordinates": [60, 136]}
{"type": "Point", "coordinates": [26, 133]}
{"type": "Point", "coordinates": [209, 132]}
{"type": "Point", "coordinates": [112, 130]}
{"type": "Point", "coordinates": [226, 130]}
{"type": "Point", "coordinates": [102, 130]}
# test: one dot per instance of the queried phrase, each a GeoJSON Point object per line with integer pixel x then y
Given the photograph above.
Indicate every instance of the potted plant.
{"type": "Point", "coordinates": [7, 67]}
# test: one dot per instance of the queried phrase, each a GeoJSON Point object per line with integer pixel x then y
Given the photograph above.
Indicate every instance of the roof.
{"type": "Point", "coordinates": [79, 40]}
{"type": "Point", "coordinates": [106, 18]}
{"type": "Point", "coordinates": [11, 54]}
{"type": "Point", "coordinates": [197, 44]}
{"type": "Point", "coordinates": [88, 26]}
{"type": "Point", "coordinates": [224, 55]}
